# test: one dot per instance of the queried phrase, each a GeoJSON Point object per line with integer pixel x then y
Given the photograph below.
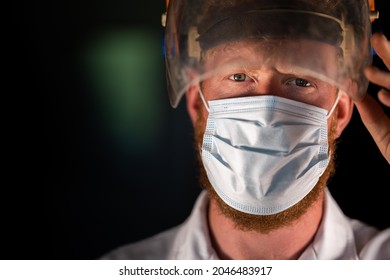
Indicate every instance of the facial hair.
{"type": "Point", "coordinates": [265, 223]}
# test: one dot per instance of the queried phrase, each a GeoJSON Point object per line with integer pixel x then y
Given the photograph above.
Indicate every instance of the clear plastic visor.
{"type": "Point", "coordinates": [300, 55]}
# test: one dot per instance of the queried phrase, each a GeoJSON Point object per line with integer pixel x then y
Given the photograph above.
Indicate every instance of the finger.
{"type": "Point", "coordinates": [384, 97]}
{"type": "Point", "coordinates": [377, 123]}
{"type": "Point", "coordinates": [382, 47]}
{"type": "Point", "coordinates": [377, 76]}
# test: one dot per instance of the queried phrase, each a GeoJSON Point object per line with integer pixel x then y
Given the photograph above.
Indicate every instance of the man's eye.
{"type": "Point", "coordinates": [301, 82]}
{"type": "Point", "coordinates": [240, 77]}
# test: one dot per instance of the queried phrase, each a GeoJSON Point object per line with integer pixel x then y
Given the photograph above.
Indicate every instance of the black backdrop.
{"type": "Point", "coordinates": [68, 191]}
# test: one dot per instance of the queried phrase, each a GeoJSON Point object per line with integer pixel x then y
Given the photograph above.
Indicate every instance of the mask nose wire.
{"type": "Point", "coordinates": [334, 105]}
{"type": "Point", "coordinates": [203, 100]}
{"type": "Point", "coordinates": [327, 116]}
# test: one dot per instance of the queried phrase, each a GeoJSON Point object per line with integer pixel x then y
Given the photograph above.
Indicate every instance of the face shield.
{"type": "Point", "coordinates": [301, 49]}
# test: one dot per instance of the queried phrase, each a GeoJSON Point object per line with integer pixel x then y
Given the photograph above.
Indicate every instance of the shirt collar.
{"type": "Point", "coordinates": [193, 238]}
{"type": "Point", "coordinates": [334, 238]}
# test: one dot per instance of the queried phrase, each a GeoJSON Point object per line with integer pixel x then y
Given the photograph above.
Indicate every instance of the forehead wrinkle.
{"type": "Point", "coordinates": [249, 52]}
{"type": "Point", "coordinates": [230, 58]}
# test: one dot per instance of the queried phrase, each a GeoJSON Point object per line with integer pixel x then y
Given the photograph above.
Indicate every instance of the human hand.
{"type": "Point", "coordinates": [371, 113]}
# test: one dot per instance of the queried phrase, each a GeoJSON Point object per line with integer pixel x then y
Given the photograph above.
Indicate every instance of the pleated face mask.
{"type": "Point", "coordinates": [263, 154]}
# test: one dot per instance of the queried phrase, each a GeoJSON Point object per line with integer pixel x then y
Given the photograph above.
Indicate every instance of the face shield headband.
{"type": "Point", "coordinates": [273, 23]}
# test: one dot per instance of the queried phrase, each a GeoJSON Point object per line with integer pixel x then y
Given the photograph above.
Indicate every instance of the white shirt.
{"type": "Point", "coordinates": [338, 237]}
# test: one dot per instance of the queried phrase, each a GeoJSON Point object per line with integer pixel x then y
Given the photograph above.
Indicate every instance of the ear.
{"type": "Point", "coordinates": [344, 113]}
{"type": "Point", "coordinates": [193, 103]}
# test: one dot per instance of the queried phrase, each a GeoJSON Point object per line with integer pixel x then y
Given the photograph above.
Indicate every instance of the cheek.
{"type": "Point", "coordinates": [200, 124]}
{"type": "Point", "coordinates": [332, 127]}
{"type": "Point", "coordinates": [202, 113]}
{"type": "Point", "coordinates": [198, 133]}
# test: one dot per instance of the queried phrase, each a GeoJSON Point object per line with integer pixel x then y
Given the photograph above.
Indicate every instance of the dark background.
{"type": "Point", "coordinates": [76, 184]}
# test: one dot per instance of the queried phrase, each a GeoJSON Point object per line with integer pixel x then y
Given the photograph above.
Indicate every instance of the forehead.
{"type": "Point", "coordinates": [314, 57]}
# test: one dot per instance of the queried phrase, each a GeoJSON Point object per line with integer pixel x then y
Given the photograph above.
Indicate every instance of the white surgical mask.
{"type": "Point", "coordinates": [263, 154]}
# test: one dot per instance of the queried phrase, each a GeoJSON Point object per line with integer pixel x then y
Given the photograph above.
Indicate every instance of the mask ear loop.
{"type": "Point", "coordinates": [204, 100]}
{"type": "Point", "coordinates": [334, 105]}
{"type": "Point", "coordinates": [200, 148]}
{"type": "Point", "coordinates": [331, 112]}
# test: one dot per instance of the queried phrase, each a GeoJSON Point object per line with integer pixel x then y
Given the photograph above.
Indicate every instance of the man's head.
{"type": "Point", "coordinates": [302, 52]}
{"type": "Point", "coordinates": [237, 81]}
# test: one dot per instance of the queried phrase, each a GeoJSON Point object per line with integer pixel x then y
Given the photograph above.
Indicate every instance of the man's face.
{"type": "Point", "coordinates": [247, 68]}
